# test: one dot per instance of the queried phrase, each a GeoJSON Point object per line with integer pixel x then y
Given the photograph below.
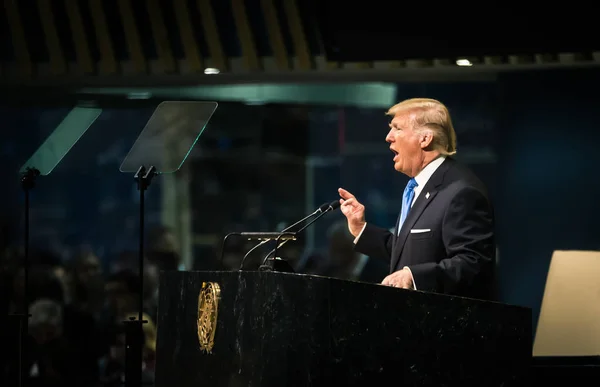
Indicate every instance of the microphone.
{"type": "Point", "coordinates": [280, 235]}
{"type": "Point", "coordinates": [285, 234]}
{"type": "Point", "coordinates": [321, 208]}
{"type": "Point", "coordinates": [334, 205]}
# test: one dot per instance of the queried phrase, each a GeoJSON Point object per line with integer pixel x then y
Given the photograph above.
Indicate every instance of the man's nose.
{"type": "Point", "coordinates": [389, 138]}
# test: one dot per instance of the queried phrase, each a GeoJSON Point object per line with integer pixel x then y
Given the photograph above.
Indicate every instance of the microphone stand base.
{"type": "Point", "coordinates": [277, 264]}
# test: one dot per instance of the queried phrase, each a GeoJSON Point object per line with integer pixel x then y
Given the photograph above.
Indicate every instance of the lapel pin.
{"type": "Point", "coordinates": [427, 195]}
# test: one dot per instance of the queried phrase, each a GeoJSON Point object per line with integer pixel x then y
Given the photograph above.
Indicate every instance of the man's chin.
{"type": "Point", "coordinates": [398, 168]}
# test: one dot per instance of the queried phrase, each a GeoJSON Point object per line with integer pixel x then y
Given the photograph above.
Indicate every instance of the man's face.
{"type": "Point", "coordinates": [406, 144]}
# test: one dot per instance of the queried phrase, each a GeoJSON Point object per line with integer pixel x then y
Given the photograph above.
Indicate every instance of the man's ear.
{"type": "Point", "coordinates": [426, 139]}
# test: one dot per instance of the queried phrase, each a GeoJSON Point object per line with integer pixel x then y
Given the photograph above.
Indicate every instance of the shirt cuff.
{"type": "Point", "coordinates": [411, 276]}
{"type": "Point", "coordinates": [359, 234]}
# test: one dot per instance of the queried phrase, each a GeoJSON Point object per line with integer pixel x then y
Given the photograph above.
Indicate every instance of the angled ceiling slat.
{"type": "Point", "coordinates": [191, 48]}
{"type": "Point", "coordinates": [108, 60]}
{"type": "Point", "coordinates": [215, 46]}
{"type": "Point", "coordinates": [245, 35]}
{"type": "Point", "coordinates": [19, 42]}
{"type": "Point", "coordinates": [58, 64]}
{"type": "Point", "coordinates": [132, 36]}
{"type": "Point", "coordinates": [161, 38]}
{"type": "Point", "coordinates": [275, 35]}
{"type": "Point", "coordinates": [82, 47]}
{"type": "Point", "coordinates": [299, 38]}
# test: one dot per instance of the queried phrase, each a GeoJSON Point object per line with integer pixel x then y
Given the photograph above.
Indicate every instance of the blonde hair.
{"type": "Point", "coordinates": [433, 115]}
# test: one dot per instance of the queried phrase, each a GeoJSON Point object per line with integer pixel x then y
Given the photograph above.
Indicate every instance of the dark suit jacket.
{"type": "Point", "coordinates": [458, 255]}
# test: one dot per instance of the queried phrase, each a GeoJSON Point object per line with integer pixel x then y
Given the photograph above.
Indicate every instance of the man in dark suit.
{"type": "Point", "coordinates": [444, 238]}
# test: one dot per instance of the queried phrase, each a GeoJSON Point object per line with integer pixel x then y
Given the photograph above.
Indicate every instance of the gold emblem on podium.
{"type": "Point", "coordinates": [208, 305]}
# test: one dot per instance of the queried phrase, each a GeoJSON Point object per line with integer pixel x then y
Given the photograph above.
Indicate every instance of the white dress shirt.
{"type": "Point", "coordinates": [423, 177]}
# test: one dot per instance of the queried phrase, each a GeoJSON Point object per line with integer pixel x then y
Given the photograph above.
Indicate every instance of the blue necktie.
{"type": "Point", "coordinates": [407, 198]}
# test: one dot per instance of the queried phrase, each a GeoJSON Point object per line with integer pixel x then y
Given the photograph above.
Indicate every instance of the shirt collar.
{"type": "Point", "coordinates": [423, 177]}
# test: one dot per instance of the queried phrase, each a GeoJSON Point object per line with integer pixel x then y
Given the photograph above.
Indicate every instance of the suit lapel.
{"type": "Point", "coordinates": [426, 196]}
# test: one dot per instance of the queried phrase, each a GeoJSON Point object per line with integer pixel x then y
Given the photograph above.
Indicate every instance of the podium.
{"type": "Point", "coordinates": [251, 328]}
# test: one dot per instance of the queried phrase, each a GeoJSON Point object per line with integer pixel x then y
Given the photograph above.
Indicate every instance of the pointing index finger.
{"type": "Point", "coordinates": [345, 194]}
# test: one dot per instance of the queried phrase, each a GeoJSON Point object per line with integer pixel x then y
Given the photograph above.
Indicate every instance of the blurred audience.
{"type": "Point", "coordinates": [76, 331]}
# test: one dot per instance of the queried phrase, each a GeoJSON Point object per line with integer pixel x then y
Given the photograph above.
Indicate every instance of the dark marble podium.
{"type": "Point", "coordinates": [280, 329]}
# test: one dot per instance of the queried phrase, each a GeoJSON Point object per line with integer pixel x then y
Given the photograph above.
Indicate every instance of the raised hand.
{"type": "Point", "coordinates": [353, 210]}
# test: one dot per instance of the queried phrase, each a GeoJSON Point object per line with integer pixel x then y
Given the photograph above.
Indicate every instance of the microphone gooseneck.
{"type": "Point", "coordinates": [328, 208]}
{"type": "Point", "coordinates": [322, 208]}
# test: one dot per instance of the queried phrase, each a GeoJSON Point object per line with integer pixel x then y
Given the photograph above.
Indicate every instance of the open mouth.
{"type": "Point", "coordinates": [395, 153]}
